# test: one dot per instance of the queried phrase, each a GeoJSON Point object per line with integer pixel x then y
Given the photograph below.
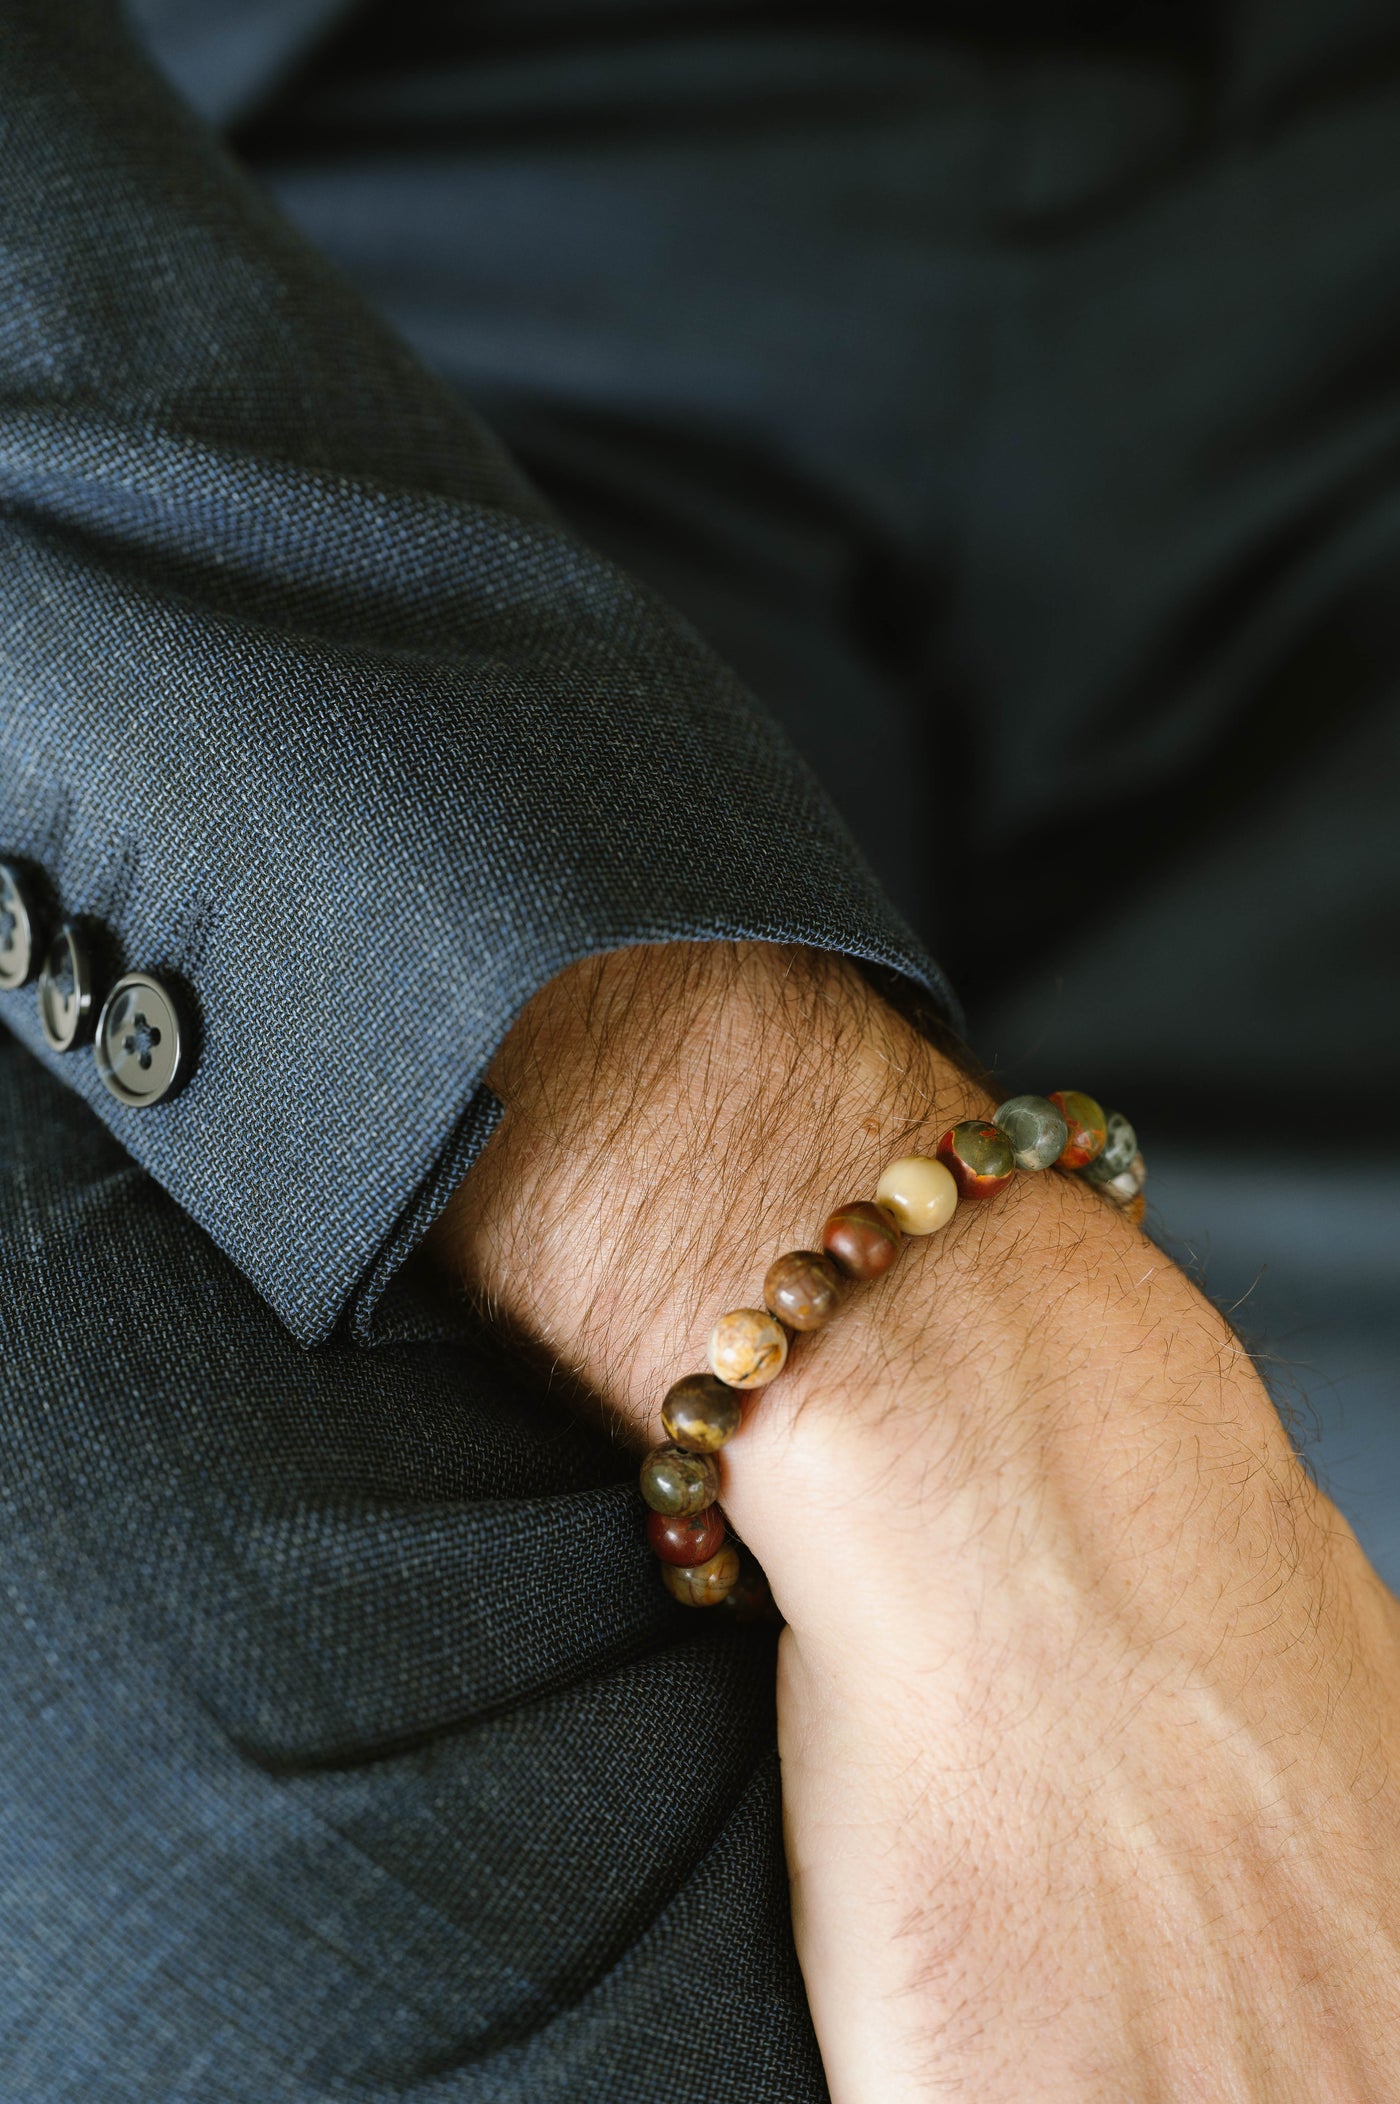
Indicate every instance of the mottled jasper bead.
{"type": "Point", "coordinates": [1037, 1132]}
{"type": "Point", "coordinates": [749, 1598]}
{"type": "Point", "coordinates": [674, 1481]}
{"type": "Point", "coordinates": [1116, 1155]}
{"type": "Point", "coordinates": [1088, 1127]}
{"type": "Point", "coordinates": [703, 1584]}
{"type": "Point", "coordinates": [803, 1289]}
{"type": "Point", "coordinates": [920, 1192]}
{"type": "Point", "coordinates": [748, 1348]}
{"type": "Point", "coordinates": [980, 1157]}
{"type": "Point", "coordinates": [700, 1413]}
{"type": "Point", "coordinates": [863, 1239]}
{"type": "Point", "coordinates": [691, 1538]}
{"type": "Point", "coordinates": [1125, 1189]}
{"type": "Point", "coordinates": [1119, 1190]}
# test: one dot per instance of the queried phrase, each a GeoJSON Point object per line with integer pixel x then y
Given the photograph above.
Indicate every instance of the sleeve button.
{"type": "Point", "coordinates": [140, 1043]}
{"type": "Point", "coordinates": [65, 992]}
{"type": "Point", "coordinates": [17, 939]}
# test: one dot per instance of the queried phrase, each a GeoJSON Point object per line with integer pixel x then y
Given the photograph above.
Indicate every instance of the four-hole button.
{"type": "Point", "coordinates": [140, 1044]}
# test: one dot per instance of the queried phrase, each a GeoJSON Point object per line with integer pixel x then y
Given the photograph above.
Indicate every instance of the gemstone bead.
{"type": "Point", "coordinates": [1119, 1147]}
{"type": "Point", "coordinates": [700, 1413]}
{"type": "Point", "coordinates": [674, 1481]}
{"type": "Point", "coordinates": [803, 1289]}
{"type": "Point", "coordinates": [1088, 1127]}
{"type": "Point", "coordinates": [690, 1538]}
{"type": "Point", "coordinates": [920, 1192]}
{"type": "Point", "coordinates": [748, 1348]}
{"type": "Point", "coordinates": [749, 1598]}
{"type": "Point", "coordinates": [979, 1155]}
{"type": "Point", "coordinates": [863, 1239]}
{"type": "Point", "coordinates": [1037, 1132]}
{"type": "Point", "coordinates": [1127, 1196]}
{"type": "Point", "coordinates": [1124, 1189]}
{"type": "Point", "coordinates": [703, 1584]}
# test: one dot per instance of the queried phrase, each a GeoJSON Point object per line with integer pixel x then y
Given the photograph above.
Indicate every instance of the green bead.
{"type": "Point", "coordinates": [1036, 1130]}
{"type": "Point", "coordinates": [678, 1483]}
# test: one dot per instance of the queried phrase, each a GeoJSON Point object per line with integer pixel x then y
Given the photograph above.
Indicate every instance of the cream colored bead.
{"type": "Point", "coordinates": [748, 1348]}
{"type": "Point", "coordinates": [920, 1192]}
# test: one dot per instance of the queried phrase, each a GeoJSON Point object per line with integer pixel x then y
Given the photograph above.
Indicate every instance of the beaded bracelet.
{"type": "Point", "coordinates": [748, 1347]}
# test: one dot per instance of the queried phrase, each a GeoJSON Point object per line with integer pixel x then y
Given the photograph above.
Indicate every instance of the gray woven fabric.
{"type": "Point", "coordinates": [351, 1748]}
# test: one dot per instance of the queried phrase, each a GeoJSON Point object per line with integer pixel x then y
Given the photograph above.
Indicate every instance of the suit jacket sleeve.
{"type": "Point", "coordinates": [311, 703]}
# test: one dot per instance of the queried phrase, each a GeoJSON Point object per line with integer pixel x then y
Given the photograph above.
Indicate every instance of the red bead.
{"type": "Point", "coordinates": [1088, 1127]}
{"type": "Point", "coordinates": [980, 1157]}
{"type": "Point", "coordinates": [863, 1239]}
{"type": "Point", "coordinates": [686, 1537]}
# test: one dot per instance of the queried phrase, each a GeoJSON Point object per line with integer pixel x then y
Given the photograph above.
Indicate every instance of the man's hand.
{"type": "Point", "coordinates": [1088, 1700]}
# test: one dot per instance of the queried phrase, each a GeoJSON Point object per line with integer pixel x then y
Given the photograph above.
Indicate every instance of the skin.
{"type": "Point", "coordinates": [1089, 1702]}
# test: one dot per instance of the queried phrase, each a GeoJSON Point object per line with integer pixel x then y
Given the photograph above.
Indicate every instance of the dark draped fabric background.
{"type": "Point", "coordinates": [1013, 395]}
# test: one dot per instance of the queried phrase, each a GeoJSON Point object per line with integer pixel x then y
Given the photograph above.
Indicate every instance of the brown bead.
{"type": "Point", "coordinates": [703, 1584]}
{"type": "Point", "coordinates": [803, 1289]}
{"type": "Point", "coordinates": [863, 1239]}
{"type": "Point", "coordinates": [674, 1481]}
{"type": "Point", "coordinates": [749, 1599]}
{"type": "Point", "coordinates": [748, 1348]}
{"type": "Point", "coordinates": [1088, 1127]}
{"type": "Point", "coordinates": [691, 1538]}
{"type": "Point", "coordinates": [700, 1413]}
{"type": "Point", "coordinates": [980, 1157]}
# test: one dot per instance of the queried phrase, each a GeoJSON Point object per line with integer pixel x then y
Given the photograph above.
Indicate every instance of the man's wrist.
{"type": "Point", "coordinates": [674, 1117]}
